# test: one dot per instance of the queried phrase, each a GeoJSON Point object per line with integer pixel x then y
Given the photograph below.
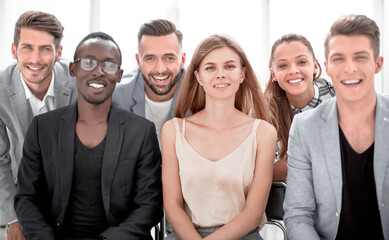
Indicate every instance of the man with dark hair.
{"type": "Point", "coordinates": [37, 83]}
{"type": "Point", "coordinates": [151, 90]}
{"type": "Point", "coordinates": [90, 170]}
{"type": "Point", "coordinates": [338, 162]}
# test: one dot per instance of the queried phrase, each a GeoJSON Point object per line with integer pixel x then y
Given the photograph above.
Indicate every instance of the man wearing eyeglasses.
{"type": "Point", "coordinates": [38, 82]}
{"type": "Point", "coordinates": [90, 170]}
{"type": "Point", "coordinates": [151, 90]}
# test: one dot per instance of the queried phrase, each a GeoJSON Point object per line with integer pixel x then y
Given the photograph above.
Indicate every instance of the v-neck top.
{"type": "Point", "coordinates": [215, 192]}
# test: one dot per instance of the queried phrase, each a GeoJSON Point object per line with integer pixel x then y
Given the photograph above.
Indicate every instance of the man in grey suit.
{"type": "Point", "coordinates": [338, 161]}
{"type": "Point", "coordinates": [37, 83]}
{"type": "Point", "coordinates": [151, 90]}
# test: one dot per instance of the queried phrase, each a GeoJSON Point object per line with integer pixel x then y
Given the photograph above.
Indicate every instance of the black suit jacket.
{"type": "Point", "coordinates": [131, 175]}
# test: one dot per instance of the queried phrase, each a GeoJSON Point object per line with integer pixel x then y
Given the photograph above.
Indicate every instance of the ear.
{"type": "Point", "coordinates": [378, 65]}
{"type": "Point", "coordinates": [273, 75]}
{"type": "Point", "coordinates": [120, 74]}
{"type": "Point", "coordinates": [59, 53]}
{"type": "Point", "coordinates": [243, 75]}
{"type": "Point", "coordinates": [326, 66]}
{"type": "Point", "coordinates": [13, 50]}
{"type": "Point", "coordinates": [316, 66]}
{"type": "Point", "coordinates": [198, 77]}
{"type": "Point", "coordinates": [72, 70]}
{"type": "Point", "coordinates": [138, 60]}
{"type": "Point", "coordinates": [182, 60]}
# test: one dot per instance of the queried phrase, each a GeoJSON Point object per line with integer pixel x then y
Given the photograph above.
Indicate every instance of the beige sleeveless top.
{"type": "Point", "coordinates": [215, 191]}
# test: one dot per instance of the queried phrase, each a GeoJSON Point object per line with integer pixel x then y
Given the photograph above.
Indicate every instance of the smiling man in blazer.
{"type": "Point", "coordinates": [90, 170]}
{"type": "Point", "coordinates": [338, 161]}
{"type": "Point", "coordinates": [37, 83]}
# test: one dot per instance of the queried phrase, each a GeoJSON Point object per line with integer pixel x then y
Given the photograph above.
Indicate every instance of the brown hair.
{"type": "Point", "coordinates": [159, 27]}
{"type": "Point", "coordinates": [276, 96]}
{"type": "Point", "coordinates": [248, 99]}
{"type": "Point", "coordinates": [351, 25]}
{"type": "Point", "coordinates": [40, 21]}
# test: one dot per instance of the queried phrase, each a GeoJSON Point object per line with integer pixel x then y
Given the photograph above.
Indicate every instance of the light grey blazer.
{"type": "Point", "coordinates": [15, 118]}
{"type": "Point", "coordinates": [130, 94]}
{"type": "Point", "coordinates": [314, 194]}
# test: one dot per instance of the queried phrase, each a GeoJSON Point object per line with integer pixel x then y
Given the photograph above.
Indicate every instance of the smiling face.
{"type": "Point", "coordinates": [96, 86]}
{"type": "Point", "coordinates": [351, 66]}
{"type": "Point", "coordinates": [220, 73]}
{"type": "Point", "coordinates": [293, 68]}
{"type": "Point", "coordinates": [36, 55]}
{"type": "Point", "coordinates": [160, 60]}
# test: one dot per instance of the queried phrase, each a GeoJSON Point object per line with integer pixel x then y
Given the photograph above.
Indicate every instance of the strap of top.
{"type": "Point", "coordinates": [255, 125]}
{"type": "Point", "coordinates": [178, 126]}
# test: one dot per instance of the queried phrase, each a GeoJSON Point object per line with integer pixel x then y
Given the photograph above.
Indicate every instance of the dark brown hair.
{"type": "Point", "coordinates": [159, 27]}
{"type": "Point", "coordinates": [276, 96]}
{"type": "Point", "coordinates": [40, 21]}
{"type": "Point", "coordinates": [351, 25]}
{"type": "Point", "coordinates": [248, 99]}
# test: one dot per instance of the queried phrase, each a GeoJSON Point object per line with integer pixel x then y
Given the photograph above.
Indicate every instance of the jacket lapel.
{"type": "Point", "coordinates": [66, 137]}
{"type": "Point", "coordinates": [139, 96]}
{"type": "Point", "coordinates": [331, 146]}
{"type": "Point", "coordinates": [381, 159]}
{"type": "Point", "coordinates": [62, 94]}
{"type": "Point", "coordinates": [112, 150]}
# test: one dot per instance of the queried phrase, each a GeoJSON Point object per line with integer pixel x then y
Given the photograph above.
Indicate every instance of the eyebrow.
{"type": "Point", "coordinates": [228, 61]}
{"type": "Point", "coordinates": [299, 56]}
{"type": "Point", "coordinates": [93, 57]}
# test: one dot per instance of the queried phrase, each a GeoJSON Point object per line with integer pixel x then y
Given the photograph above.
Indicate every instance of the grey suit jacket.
{"type": "Point", "coordinates": [314, 194]}
{"type": "Point", "coordinates": [15, 118]}
{"type": "Point", "coordinates": [130, 94]}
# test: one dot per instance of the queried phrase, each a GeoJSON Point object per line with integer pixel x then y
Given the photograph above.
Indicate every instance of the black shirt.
{"type": "Point", "coordinates": [359, 217]}
{"type": "Point", "coordinates": [85, 217]}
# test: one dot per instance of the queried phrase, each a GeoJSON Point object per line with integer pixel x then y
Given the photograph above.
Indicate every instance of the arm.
{"type": "Point", "coordinates": [32, 189]}
{"type": "Point", "coordinates": [172, 194]}
{"type": "Point", "coordinates": [300, 203]}
{"type": "Point", "coordinates": [280, 170]}
{"type": "Point", "coordinates": [7, 183]}
{"type": "Point", "coordinates": [251, 216]}
{"type": "Point", "coordinates": [145, 205]}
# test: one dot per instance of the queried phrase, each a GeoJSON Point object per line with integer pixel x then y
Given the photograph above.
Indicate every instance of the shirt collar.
{"type": "Point", "coordinates": [312, 104]}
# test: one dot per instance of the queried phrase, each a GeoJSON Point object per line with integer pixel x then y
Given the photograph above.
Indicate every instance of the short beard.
{"type": "Point", "coordinates": [168, 88]}
{"type": "Point", "coordinates": [95, 101]}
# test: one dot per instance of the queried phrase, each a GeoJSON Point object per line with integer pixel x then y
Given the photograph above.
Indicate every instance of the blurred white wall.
{"type": "Point", "coordinates": [255, 24]}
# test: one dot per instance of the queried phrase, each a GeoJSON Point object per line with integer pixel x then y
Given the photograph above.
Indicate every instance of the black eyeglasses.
{"type": "Point", "coordinates": [90, 64]}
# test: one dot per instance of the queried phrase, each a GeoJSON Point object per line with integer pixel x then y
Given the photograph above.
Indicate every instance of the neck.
{"type": "Point", "coordinates": [39, 89]}
{"type": "Point", "coordinates": [91, 113]}
{"type": "Point", "coordinates": [219, 114]}
{"type": "Point", "coordinates": [357, 113]}
{"type": "Point", "coordinates": [300, 101]}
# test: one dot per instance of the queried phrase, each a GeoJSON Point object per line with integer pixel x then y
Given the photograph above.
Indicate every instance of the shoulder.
{"type": "Point", "coordinates": [169, 125]}
{"type": "Point", "coordinates": [7, 72]}
{"type": "Point", "coordinates": [383, 100]}
{"type": "Point", "coordinates": [128, 81]}
{"type": "Point", "coordinates": [326, 88]}
{"type": "Point", "coordinates": [62, 74]}
{"type": "Point", "coordinates": [266, 130]}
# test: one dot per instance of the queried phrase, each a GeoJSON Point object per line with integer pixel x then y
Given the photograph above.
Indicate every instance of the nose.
{"type": "Point", "coordinates": [350, 66]}
{"type": "Point", "coordinates": [36, 56]}
{"type": "Point", "coordinates": [98, 71]}
{"type": "Point", "coordinates": [293, 69]}
{"type": "Point", "coordinates": [160, 66]}
{"type": "Point", "coordinates": [221, 73]}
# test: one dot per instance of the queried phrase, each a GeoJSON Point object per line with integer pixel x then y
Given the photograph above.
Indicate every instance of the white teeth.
{"type": "Point", "coordinates": [221, 85]}
{"type": "Point", "coordinates": [96, 85]}
{"type": "Point", "coordinates": [295, 81]}
{"type": "Point", "coordinates": [34, 68]}
{"type": "Point", "coordinates": [351, 81]}
{"type": "Point", "coordinates": [160, 78]}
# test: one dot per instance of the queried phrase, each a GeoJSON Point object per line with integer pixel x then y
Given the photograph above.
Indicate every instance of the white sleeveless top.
{"type": "Point", "coordinates": [215, 191]}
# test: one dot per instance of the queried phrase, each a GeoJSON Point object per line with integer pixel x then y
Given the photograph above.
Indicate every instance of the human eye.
{"type": "Point", "coordinates": [170, 58]}
{"type": "Point", "coordinates": [209, 68]}
{"type": "Point", "coordinates": [88, 63]}
{"type": "Point", "coordinates": [149, 58]}
{"type": "Point", "coordinates": [302, 62]}
{"type": "Point", "coordinates": [282, 66]}
{"type": "Point", "coordinates": [26, 47]}
{"type": "Point", "coordinates": [361, 57]}
{"type": "Point", "coordinates": [46, 48]}
{"type": "Point", "coordinates": [230, 66]}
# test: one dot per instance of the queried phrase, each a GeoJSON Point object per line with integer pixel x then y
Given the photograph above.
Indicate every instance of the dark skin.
{"type": "Point", "coordinates": [92, 121]}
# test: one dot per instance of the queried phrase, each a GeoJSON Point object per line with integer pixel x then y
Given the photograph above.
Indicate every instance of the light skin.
{"type": "Point", "coordinates": [351, 65]}
{"type": "Point", "coordinates": [293, 68]}
{"type": "Point", "coordinates": [220, 74]}
{"type": "Point", "coordinates": [161, 60]}
{"type": "Point", "coordinates": [95, 90]}
{"type": "Point", "coordinates": [36, 55]}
